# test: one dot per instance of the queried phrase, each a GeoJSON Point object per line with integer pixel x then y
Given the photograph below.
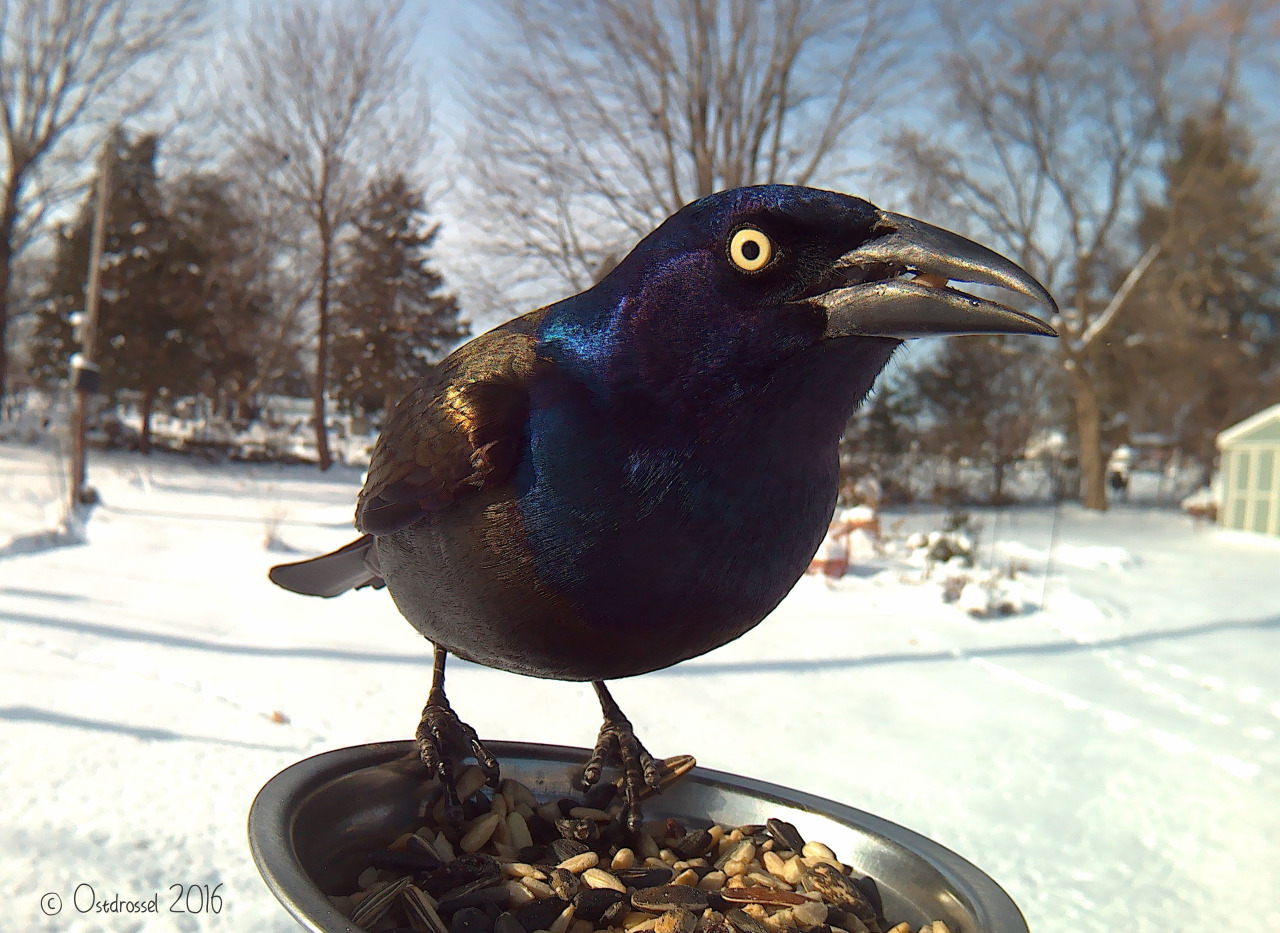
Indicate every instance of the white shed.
{"type": "Point", "coordinates": [1251, 473]}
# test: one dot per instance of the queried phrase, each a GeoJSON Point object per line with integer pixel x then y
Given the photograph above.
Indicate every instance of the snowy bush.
{"type": "Point", "coordinates": [957, 541]}
{"type": "Point", "coordinates": [986, 594]}
{"type": "Point", "coordinates": [948, 559]}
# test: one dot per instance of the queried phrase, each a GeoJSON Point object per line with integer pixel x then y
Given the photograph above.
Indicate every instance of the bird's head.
{"type": "Point", "coordinates": [731, 286]}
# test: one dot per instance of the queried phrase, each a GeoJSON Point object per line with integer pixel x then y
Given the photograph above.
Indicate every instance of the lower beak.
{"type": "Point", "coordinates": [878, 301]}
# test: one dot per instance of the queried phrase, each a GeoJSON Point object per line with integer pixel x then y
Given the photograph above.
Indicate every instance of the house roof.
{"type": "Point", "coordinates": [1241, 430]}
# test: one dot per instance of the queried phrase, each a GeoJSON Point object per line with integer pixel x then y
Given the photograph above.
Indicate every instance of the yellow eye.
{"type": "Point", "coordinates": [750, 250]}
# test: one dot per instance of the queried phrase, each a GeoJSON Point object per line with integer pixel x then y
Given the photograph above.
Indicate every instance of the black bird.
{"type": "Point", "coordinates": [638, 474]}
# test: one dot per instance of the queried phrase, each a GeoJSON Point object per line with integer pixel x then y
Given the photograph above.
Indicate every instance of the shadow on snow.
{"type": "Point", "coordinates": [688, 669]}
{"type": "Point", "coordinates": [145, 733]}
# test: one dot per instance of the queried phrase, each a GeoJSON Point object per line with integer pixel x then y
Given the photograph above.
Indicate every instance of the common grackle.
{"type": "Point", "coordinates": [638, 474]}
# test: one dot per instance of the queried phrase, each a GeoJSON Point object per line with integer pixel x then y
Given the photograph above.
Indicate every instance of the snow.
{"type": "Point", "coordinates": [1108, 753]}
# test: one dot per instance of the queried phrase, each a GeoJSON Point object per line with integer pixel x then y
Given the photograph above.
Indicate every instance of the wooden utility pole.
{"type": "Point", "coordinates": [84, 371]}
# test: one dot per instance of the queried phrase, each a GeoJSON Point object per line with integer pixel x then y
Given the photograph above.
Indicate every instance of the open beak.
{"type": "Point", "coordinates": [895, 285]}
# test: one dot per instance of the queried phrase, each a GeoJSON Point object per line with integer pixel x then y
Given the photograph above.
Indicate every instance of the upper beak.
{"type": "Point", "coordinates": [871, 299]}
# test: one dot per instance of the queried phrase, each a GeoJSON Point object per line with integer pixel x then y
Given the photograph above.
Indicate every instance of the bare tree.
{"type": "Point", "coordinates": [327, 98]}
{"type": "Point", "coordinates": [596, 120]}
{"type": "Point", "coordinates": [1056, 116]}
{"type": "Point", "coordinates": [64, 65]}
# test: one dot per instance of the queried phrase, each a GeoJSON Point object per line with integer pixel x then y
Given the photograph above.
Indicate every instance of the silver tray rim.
{"type": "Point", "coordinates": [271, 823]}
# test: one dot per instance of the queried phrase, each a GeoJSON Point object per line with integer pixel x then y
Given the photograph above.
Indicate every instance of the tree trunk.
{"type": "Point", "coordinates": [997, 482]}
{"type": "Point", "coordinates": [322, 348]}
{"type": "Point", "coordinates": [6, 274]}
{"type": "Point", "coordinates": [1089, 427]}
{"type": "Point", "coordinates": [144, 436]}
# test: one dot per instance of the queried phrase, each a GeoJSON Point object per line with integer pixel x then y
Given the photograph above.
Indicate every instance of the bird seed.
{"type": "Point", "coordinates": [519, 865]}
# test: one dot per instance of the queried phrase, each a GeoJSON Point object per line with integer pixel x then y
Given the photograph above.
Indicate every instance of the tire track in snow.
{"type": "Point", "coordinates": [1117, 721]}
{"type": "Point", "coordinates": [1145, 674]}
{"type": "Point", "coordinates": [1251, 697]}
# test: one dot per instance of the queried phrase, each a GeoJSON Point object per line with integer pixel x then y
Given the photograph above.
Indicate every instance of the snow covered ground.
{"type": "Point", "coordinates": [1111, 759]}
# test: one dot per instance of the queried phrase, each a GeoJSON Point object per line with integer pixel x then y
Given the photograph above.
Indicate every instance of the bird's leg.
{"type": "Point", "coordinates": [441, 734]}
{"type": "Point", "coordinates": [637, 764]}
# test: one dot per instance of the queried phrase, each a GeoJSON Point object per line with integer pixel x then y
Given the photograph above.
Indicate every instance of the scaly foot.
{"type": "Point", "coordinates": [618, 740]}
{"type": "Point", "coordinates": [444, 739]}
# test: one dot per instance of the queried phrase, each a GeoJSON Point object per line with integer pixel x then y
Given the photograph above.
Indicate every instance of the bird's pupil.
{"type": "Point", "coordinates": [750, 250]}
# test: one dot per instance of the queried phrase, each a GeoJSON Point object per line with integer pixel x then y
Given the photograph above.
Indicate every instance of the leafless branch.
{"type": "Point", "coordinates": [1060, 113]}
{"type": "Point", "coordinates": [599, 120]}
{"type": "Point", "coordinates": [326, 98]}
{"type": "Point", "coordinates": [70, 67]}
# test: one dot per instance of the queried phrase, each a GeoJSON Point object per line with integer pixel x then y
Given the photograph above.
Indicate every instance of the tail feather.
{"type": "Point", "coordinates": [350, 567]}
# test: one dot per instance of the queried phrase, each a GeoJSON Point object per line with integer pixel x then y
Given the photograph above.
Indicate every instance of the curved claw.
{"type": "Point", "coordinates": [484, 758]}
{"type": "Point", "coordinates": [638, 767]}
{"type": "Point", "coordinates": [441, 731]}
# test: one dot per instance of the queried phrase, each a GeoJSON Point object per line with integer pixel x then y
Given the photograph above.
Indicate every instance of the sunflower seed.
{"type": "Point", "coordinates": [866, 884]}
{"type": "Point", "coordinates": [785, 834]}
{"type": "Point", "coordinates": [743, 922]}
{"type": "Point", "coordinates": [517, 894]}
{"type": "Point", "coordinates": [523, 870]}
{"type": "Point", "coordinates": [375, 906]}
{"type": "Point", "coordinates": [668, 897]}
{"type": "Point", "coordinates": [580, 863]}
{"type": "Point", "coordinates": [572, 867]}
{"type": "Point", "coordinates": [670, 770]}
{"type": "Point", "coordinates": [505, 922]}
{"type": "Point", "coordinates": [762, 895]}
{"type": "Point", "coordinates": [598, 878]}
{"type": "Point", "coordinates": [540, 914]}
{"type": "Point", "coordinates": [540, 888]}
{"type": "Point", "coordinates": [580, 830]}
{"type": "Point", "coordinates": [473, 894]}
{"type": "Point", "coordinates": [469, 781]}
{"type": "Point", "coordinates": [565, 883]}
{"type": "Point", "coordinates": [647, 877]}
{"type": "Point", "coordinates": [567, 848]}
{"type": "Point", "coordinates": [475, 837]}
{"type": "Point", "coordinates": [561, 923]}
{"type": "Point", "coordinates": [592, 903]}
{"type": "Point", "coordinates": [471, 920]}
{"type": "Point", "coordinates": [694, 844]}
{"type": "Point", "coordinates": [421, 909]}
{"type": "Point", "coordinates": [809, 914]}
{"type": "Point", "coordinates": [839, 891]}
{"type": "Point", "coordinates": [518, 830]}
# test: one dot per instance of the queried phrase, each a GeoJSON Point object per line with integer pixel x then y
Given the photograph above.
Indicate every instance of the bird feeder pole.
{"type": "Point", "coordinates": [84, 371]}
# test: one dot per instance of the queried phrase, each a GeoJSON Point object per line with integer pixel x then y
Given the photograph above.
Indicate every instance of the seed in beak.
{"type": "Point", "coordinates": [931, 279]}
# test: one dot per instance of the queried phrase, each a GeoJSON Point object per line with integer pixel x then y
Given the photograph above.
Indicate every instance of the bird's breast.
{"type": "Point", "coordinates": [668, 550]}
{"type": "Point", "coordinates": [623, 545]}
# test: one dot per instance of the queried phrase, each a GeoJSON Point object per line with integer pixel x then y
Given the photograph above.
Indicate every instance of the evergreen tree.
{"type": "Point", "coordinates": [1200, 347]}
{"type": "Point", "coordinates": [393, 322]}
{"type": "Point", "coordinates": [880, 439]}
{"type": "Point", "coordinates": [150, 308]}
{"type": "Point", "coordinates": [234, 293]}
{"type": "Point", "coordinates": [983, 397]}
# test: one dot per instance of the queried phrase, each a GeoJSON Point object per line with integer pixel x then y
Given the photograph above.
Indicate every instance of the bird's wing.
{"type": "Point", "coordinates": [460, 431]}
